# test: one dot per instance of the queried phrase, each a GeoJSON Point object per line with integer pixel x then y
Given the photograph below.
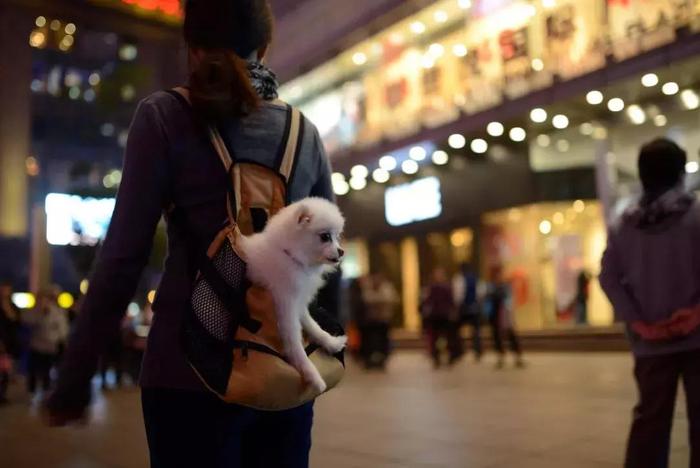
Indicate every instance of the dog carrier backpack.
{"type": "Point", "coordinates": [230, 334]}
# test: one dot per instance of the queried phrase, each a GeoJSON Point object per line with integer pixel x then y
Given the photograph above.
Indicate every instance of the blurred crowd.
{"type": "Point", "coordinates": [448, 305]}
{"type": "Point", "coordinates": [32, 342]}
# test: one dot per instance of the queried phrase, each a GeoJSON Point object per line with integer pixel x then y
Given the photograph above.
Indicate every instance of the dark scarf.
{"type": "Point", "coordinates": [264, 80]}
{"type": "Point", "coordinates": [661, 210]}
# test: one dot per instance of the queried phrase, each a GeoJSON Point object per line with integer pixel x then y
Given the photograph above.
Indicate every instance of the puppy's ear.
{"type": "Point", "coordinates": [303, 215]}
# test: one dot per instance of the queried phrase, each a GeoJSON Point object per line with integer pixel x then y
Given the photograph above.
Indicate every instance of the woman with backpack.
{"type": "Point", "coordinates": [172, 167]}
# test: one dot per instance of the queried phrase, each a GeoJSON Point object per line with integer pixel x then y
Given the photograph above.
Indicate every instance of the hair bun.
{"type": "Point", "coordinates": [243, 26]}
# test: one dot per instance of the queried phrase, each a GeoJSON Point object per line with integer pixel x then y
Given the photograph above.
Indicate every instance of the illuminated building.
{"type": "Point", "coordinates": [540, 108]}
{"type": "Point", "coordinates": [72, 73]}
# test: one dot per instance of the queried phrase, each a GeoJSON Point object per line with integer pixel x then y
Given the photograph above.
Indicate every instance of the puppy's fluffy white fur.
{"type": "Point", "coordinates": [298, 248]}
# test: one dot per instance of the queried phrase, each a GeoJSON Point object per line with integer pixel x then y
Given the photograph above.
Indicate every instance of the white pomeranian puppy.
{"type": "Point", "coordinates": [291, 257]}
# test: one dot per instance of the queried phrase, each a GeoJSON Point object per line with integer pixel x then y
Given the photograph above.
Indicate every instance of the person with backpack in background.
{"type": "Point", "coordinates": [170, 163]}
{"type": "Point", "coordinates": [651, 274]}
{"type": "Point", "coordinates": [465, 285]}
{"type": "Point", "coordinates": [499, 307]}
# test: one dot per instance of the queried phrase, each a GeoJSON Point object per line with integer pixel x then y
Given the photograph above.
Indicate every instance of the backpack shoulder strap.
{"type": "Point", "coordinates": [291, 142]}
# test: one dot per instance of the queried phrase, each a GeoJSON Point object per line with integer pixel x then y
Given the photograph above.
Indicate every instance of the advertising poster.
{"type": "Point", "coordinates": [636, 26]}
{"type": "Point", "coordinates": [338, 115]}
{"type": "Point", "coordinates": [481, 78]}
{"type": "Point", "coordinates": [517, 69]}
{"type": "Point", "coordinates": [439, 84]}
{"type": "Point", "coordinates": [402, 81]}
{"type": "Point", "coordinates": [567, 257]}
{"type": "Point", "coordinates": [575, 38]}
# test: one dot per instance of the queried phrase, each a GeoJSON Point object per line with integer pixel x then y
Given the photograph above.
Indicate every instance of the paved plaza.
{"type": "Point", "coordinates": [562, 411]}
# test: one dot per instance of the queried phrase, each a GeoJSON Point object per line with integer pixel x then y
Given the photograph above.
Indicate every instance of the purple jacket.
{"type": "Point", "coordinates": [651, 267]}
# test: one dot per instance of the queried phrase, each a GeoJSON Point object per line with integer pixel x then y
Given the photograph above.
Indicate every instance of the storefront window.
{"type": "Point", "coordinates": [551, 253]}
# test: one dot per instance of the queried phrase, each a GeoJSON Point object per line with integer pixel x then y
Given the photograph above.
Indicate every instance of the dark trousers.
{"type": "Point", "coordinates": [375, 343]}
{"type": "Point", "coordinates": [657, 381]}
{"type": "Point", "coordinates": [442, 327]}
{"type": "Point", "coordinates": [39, 371]}
{"type": "Point", "coordinates": [474, 322]}
{"type": "Point", "coordinates": [4, 383]}
{"type": "Point", "coordinates": [192, 429]}
{"type": "Point", "coordinates": [497, 332]}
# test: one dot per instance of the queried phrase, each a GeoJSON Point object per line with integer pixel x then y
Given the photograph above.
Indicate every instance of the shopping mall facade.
{"type": "Point", "coordinates": [494, 132]}
{"type": "Point", "coordinates": [501, 132]}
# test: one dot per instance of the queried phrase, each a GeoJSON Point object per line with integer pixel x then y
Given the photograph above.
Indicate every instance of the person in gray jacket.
{"type": "Point", "coordinates": [651, 273]}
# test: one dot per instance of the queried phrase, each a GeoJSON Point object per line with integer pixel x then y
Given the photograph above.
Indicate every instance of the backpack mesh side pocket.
{"type": "Point", "coordinates": [209, 328]}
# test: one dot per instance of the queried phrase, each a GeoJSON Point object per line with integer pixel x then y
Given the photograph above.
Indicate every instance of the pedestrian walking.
{"type": "Point", "coordinates": [49, 328]}
{"type": "Point", "coordinates": [379, 298]}
{"type": "Point", "coordinates": [465, 285]}
{"type": "Point", "coordinates": [499, 304]}
{"type": "Point", "coordinates": [171, 166]}
{"type": "Point", "coordinates": [440, 319]}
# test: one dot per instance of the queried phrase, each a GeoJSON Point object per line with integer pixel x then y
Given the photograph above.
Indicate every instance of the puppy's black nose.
{"type": "Point", "coordinates": [341, 253]}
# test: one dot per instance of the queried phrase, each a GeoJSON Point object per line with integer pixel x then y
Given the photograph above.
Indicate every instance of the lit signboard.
{"type": "Point", "coordinates": [74, 220]}
{"type": "Point", "coordinates": [416, 201]}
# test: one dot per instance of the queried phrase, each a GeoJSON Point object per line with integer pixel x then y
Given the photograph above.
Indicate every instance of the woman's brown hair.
{"type": "Point", "coordinates": [222, 35]}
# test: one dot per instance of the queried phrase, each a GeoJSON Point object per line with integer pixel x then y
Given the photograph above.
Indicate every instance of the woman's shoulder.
{"type": "Point", "coordinates": [164, 99]}
{"type": "Point", "coordinates": [166, 110]}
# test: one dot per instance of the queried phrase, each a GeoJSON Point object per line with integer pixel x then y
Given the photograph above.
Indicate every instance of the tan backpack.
{"type": "Point", "coordinates": [230, 333]}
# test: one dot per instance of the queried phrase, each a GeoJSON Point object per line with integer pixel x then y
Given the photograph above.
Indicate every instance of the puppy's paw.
{"type": "Point", "coordinates": [319, 385]}
{"type": "Point", "coordinates": [335, 344]}
{"type": "Point", "coordinates": [314, 379]}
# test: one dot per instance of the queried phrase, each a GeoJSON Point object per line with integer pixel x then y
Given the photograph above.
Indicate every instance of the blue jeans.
{"type": "Point", "coordinates": [191, 429]}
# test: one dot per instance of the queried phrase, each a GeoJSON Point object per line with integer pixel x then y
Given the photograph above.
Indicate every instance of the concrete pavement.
{"type": "Point", "coordinates": [562, 411]}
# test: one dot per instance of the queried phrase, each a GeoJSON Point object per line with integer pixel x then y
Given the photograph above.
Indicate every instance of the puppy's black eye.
{"type": "Point", "coordinates": [325, 237]}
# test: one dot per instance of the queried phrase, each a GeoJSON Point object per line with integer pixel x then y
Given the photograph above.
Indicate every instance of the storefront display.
{"type": "Point", "coordinates": [546, 249]}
